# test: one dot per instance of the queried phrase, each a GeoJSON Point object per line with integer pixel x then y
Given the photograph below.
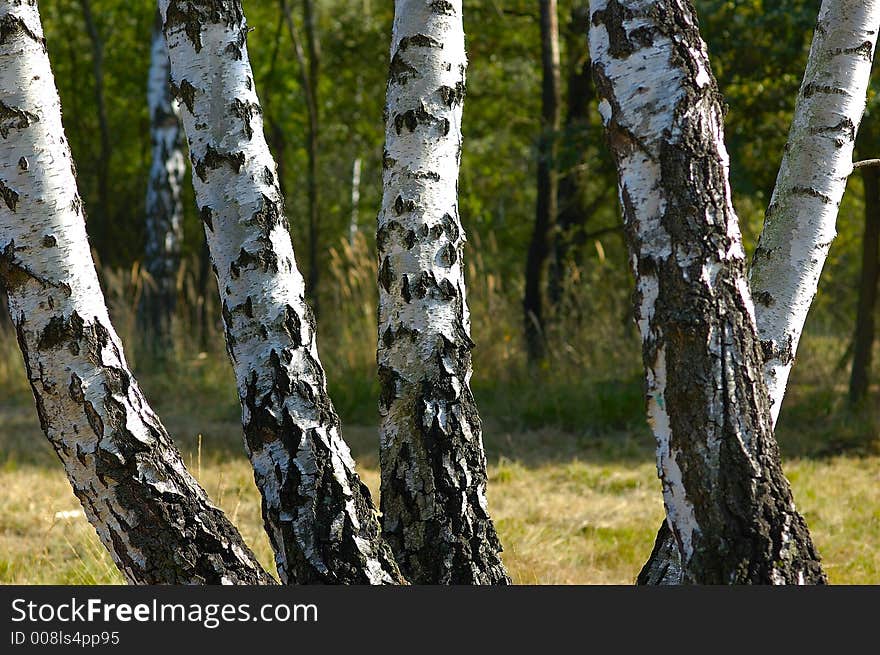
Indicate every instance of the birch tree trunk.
{"type": "Point", "coordinates": [546, 206]}
{"type": "Point", "coordinates": [727, 502]}
{"type": "Point", "coordinates": [152, 516]}
{"type": "Point", "coordinates": [799, 224]}
{"type": "Point", "coordinates": [318, 514]}
{"type": "Point", "coordinates": [434, 510]}
{"type": "Point", "coordinates": [164, 209]}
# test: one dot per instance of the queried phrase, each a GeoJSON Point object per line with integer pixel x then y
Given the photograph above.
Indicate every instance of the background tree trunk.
{"type": "Point", "coordinates": [434, 508]}
{"type": "Point", "coordinates": [164, 209]}
{"type": "Point", "coordinates": [318, 514]}
{"type": "Point", "coordinates": [800, 222]}
{"type": "Point", "coordinates": [573, 212]}
{"type": "Point", "coordinates": [101, 108]}
{"type": "Point", "coordinates": [309, 59]}
{"type": "Point", "coordinates": [863, 342]}
{"type": "Point", "coordinates": [152, 516]}
{"type": "Point", "coordinates": [314, 54]}
{"type": "Point", "coordinates": [728, 504]}
{"type": "Point", "coordinates": [547, 188]}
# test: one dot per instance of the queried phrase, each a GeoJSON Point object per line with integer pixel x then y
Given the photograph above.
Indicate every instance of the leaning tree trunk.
{"type": "Point", "coordinates": [547, 185]}
{"type": "Point", "coordinates": [799, 225]}
{"type": "Point", "coordinates": [152, 516]}
{"type": "Point", "coordinates": [800, 221]}
{"type": "Point", "coordinates": [164, 210]}
{"type": "Point", "coordinates": [318, 514]}
{"type": "Point", "coordinates": [434, 509]}
{"type": "Point", "coordinates": [727, 501]}
{"type": "Point", "coordinates": [863, 342]}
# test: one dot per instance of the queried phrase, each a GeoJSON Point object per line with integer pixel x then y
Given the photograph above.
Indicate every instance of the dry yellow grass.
{"type": "Point", "coordinates": [569, 509]}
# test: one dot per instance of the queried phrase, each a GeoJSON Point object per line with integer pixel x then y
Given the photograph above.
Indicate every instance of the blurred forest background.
{"type": "Point", "coordinates": [572, 480]}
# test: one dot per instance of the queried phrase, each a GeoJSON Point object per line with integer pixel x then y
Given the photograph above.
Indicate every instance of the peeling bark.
{"type": "Point", "coordinates": [319, 516]}
{"type": "Point", "coordinates": [800, 222]}
{"type": "Point", "coordinates": [164, 209]}
{"type": "Point", "coordinates": [434, 509]}
{"type": "Point", "coordinates": [727, 501]}
{"type": "Point", "coordinates": [153, 517]}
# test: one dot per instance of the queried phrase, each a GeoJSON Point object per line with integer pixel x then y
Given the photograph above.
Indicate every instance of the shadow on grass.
{"type": "Point", "coordinates": [532, 424]}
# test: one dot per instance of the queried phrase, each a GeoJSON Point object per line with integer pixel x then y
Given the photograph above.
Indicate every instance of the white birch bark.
{"type": "Point", "coordinates": [318, 514]}
{"type": "Point", "coordinates": [434, 509]}
{"type": "Point", "coordinates": [728, 504]}
{"type": "Point", "coordinates": [164, 208]}
{"type": "Point", "coordinates": [800, 222]}
{"type": "Point", "coordinates": [152, 516]}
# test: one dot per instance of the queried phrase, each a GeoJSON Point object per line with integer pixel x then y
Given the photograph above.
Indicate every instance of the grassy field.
{"type": "Point", "coordinates": [570, 508]}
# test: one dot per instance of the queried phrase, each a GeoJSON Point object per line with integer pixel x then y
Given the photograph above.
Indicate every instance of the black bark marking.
{"type": "Point", "coordinates": [386, 274]}
{"type": "Point", "coordinates": [234, 50]}
{"type": "Point", "coordinates": [812, 193]}
{"type": "Point", "coordinates": [452, 96]}
{"type": "Point", "coordinates": [11, 26]}
{"type": "Point", "coordinates": [246, 112]}
{"type": "Point", "coordinates": [14, 118]}
{"type": "Point", "coordinates": [442, 7]}
{"type": "Point", "coordinates": [412, 118]}
{"type": "Point", "coordinates": [447, 255]}
{"type": "Point", "coordinates": [10, 196]}
{"type": "Point", "coordinates": [186, 92]}
{"type": "Point", "coordinates": [812, 89]}
{"type": "Point", "coordinates": [419, 41]}
{"type": "Point", "coordinates": [265, 260]}
{"type": "Point", "coordinates": [214, 159]}
{"type": "Point", "coordinates": [206, 215]}
{"type": "Point", "coordinates": [864, 50]}
{"type": "Point", "coordinates": [402, 206]}
{"type": "Point", "coordinates": [193, 14]}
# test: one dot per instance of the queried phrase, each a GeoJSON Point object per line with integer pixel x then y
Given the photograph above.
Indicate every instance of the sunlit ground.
{"type": "Point", "coordinates": [569, 509]}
